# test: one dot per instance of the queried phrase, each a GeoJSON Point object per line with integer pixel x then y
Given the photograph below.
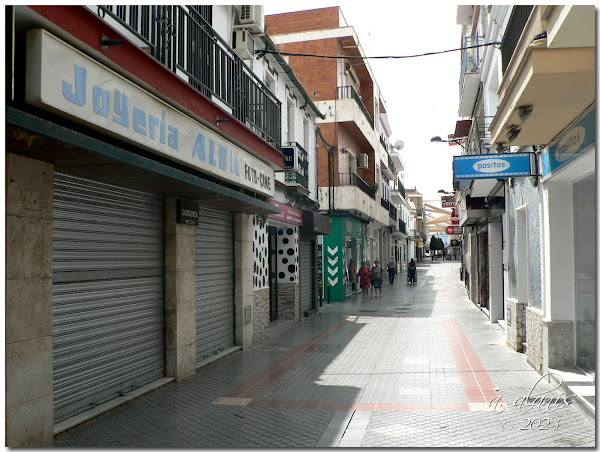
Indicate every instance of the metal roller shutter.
{"type": "Point", "coordinates": [214, 283]}
{"type": "Point", "coordinates": [108, 292]}
{"type": "Point", "coordinates": [307, 283]}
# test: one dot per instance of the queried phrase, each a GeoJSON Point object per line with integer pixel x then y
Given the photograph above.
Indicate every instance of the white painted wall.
{"type": "Point", "coordinates": [496, 293]}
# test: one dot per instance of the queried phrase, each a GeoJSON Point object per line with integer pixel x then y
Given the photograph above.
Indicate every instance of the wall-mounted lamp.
{"type": "Point", "coordinates": [219, 121]}
{"type": "Point", "coordinates": [512, 133]}
{"type": "Point", "coordinates": [105, 41]}
{"type": "Point", "coordinates": [459, 141]}
{"type": "Point", "coordinates": [500, 148]}
{"type": "Point", "coordinates": [524, 112]}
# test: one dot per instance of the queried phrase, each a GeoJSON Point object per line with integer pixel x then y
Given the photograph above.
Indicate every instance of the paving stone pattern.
{"type": "Point", "coordinates": [409, 369]}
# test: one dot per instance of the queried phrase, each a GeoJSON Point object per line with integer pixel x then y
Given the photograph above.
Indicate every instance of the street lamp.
{"type": "Point", "coordinates": [459, 141]}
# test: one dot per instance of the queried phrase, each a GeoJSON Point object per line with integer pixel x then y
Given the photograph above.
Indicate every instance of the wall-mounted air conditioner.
{"type": "Point", "coordinates": [363, 161]}
{"type": "Point", "coordinates": [243, 44]}
{"type": "Point", "coordinates": [252, 17]}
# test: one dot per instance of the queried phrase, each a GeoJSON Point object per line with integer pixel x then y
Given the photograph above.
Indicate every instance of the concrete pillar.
{"type": "Point", "coordinates": [180, 299]}
{"type": "Point", "coordinates": [496, 294]}
{"type": "Point", "coordinates": [244, 273]}
{"type": "Point", "coordinates": [28, 304]}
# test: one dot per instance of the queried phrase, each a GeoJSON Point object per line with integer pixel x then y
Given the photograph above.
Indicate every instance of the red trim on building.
{"type": "Point", "coordinates": [87, 27]}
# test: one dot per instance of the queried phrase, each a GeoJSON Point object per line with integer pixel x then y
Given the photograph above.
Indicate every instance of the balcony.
{"type": "Point", "coordinates": [478, 141]}
{"type": "Point", "coordinates": [385, 204]}
{"type": "Point", "coordinates": [182, 40]}
{"type": "Point", "coordinates": [469, 75]}
{"type": "Point", "coordinates": [348, 92]}
{"type": "Point", "coordinates": [355, 180]}
{"type": "Point", "coordinates": [550, 75]}
{"type": "Point", "coordinates": [393, 213]}
{"type": "Point", "coordinates": [402, 226]}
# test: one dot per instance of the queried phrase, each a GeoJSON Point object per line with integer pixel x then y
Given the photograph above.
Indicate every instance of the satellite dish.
{"type": "Point", "coordinates": [399, 144]}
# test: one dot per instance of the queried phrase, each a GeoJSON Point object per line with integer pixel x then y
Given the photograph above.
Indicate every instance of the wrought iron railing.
{"type": "Point", "coordinates": [356, 181]}
{"type": "Point", "coordinates": [391, 165]}
{"type": "Point", "coordinates": [393, 212]}
{"type": "Point", "coordinates": [296, 177]}
{"type": "Point", "coordinates": [348, 92]}
{"type": "Point", "coordinates": [402, 226]}
{"type": "Point", "coordinates": [385, 204]}
{"type": "Point", "coordinates": [181, 39]}
{"type": "Point", "coordinates": [401, 189]}
{"type": "Point", "coordinates": [479, 135]}
{"type": "Point", "coordinates": [471, 58]}
{"type": "Point", "coordinates": [516, 25]}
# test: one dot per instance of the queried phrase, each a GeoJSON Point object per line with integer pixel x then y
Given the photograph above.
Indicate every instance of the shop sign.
{"type": "Point", "coordinates": [289, 214]}
{"type": "Point", "coordinates": [448, 201]}
{"type": "Point", "coordinates": [454, 230]}
{"type": "Point", "coordinates": [317, 223]}
{"type": "Point", "coordinates": [455, 220]}
{"type": "Point", "coordinates": [67, 82]}
{"type": "Point", "coordinates": [187, 212]}
{"type": "Point", "coordinates": [493, 166]}
{"type": "Point", "coordinates": [574, 142]}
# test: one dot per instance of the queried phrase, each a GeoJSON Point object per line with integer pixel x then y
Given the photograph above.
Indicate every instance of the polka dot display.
{"type": "Point", "coordinates": [260, 251]}
{"type": "Point", "coordinates": [287, 260]}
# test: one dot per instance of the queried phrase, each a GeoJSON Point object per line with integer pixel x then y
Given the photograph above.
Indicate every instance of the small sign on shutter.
{"type": "Point", "coordinates": [187, 212]}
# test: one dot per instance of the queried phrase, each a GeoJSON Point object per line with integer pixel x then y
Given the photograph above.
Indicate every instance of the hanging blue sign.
{"type": "Point", "coordinates": [493, 166]}
{"type": "Point", "coordinates": [571, 144]}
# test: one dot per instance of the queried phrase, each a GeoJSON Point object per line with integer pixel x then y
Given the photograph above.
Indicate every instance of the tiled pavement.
{"type": "Point", "coordinates": [416, 367]}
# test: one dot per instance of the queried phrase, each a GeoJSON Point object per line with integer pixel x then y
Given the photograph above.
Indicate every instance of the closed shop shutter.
{"type": "Point", "coordinates": [307, 280]}
{"type": "Point", "coordinates": [214, 283]}
{"type": "Point", "coordinates": [108, 292]}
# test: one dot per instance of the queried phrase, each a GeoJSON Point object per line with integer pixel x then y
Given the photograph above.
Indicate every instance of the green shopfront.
{"type": "Point", "coordinates": [344, 244]}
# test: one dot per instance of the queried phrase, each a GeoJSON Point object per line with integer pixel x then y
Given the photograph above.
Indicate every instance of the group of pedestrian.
{"type": "Point", "coordinates": [372, 278]}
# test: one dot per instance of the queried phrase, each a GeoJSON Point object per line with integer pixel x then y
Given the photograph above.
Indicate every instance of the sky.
{"type": "Point", "coordinates": [421, 94]}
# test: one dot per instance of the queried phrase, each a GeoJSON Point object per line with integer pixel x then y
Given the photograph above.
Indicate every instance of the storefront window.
{"type": "Point", "coordinates": [584, 205]}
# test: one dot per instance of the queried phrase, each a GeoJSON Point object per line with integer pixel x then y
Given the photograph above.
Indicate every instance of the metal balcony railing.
{"type": "Point", "coordinates": [356, 181]}
{"type": "Point", "coordinates": [516, 25]}
{"type": "Point", "coordinates": [393, 212]}
{"type": "Point", "coordinates": [385, 204]}
{"type": "Point", "coordinates": [471, 58]}
{"type": "Point", "coordinates": [479, 135]}
{"type": "Point", "coordinates": [181, 39]}
{"type": "Point", "coordinates": [391, 165]}
{"type": "Point", "coordinates": [402, 226]}
{"type": "Point", "coordinates": [401, 189]}
{"type": "Point", "coordinates": [296, 177]}
{"type": "Point", "coordinates": [348, 92]}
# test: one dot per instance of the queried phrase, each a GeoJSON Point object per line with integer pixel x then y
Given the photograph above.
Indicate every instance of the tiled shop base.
{"type": "Point", "coordinates": [377, 364]}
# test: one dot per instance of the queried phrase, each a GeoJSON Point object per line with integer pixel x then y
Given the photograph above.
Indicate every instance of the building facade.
{"type": "Point", "coordinates": [354, 164]}
{"type": "Point", "coordinates": [141, 172]}
{"type": "Point", "coordinates": [533, 94]}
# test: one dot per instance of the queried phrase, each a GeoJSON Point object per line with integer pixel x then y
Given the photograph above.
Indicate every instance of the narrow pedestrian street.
{"type": "Point", "coordinates": [419, 367]}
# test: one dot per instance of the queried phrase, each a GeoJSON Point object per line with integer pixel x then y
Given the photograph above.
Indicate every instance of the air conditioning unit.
{"type": "Point", "coordinates": [363, 161]}
{"type": "Point", "coordinates": [252, 17]}
{"type": "Point", "coordinates": [243, 44]}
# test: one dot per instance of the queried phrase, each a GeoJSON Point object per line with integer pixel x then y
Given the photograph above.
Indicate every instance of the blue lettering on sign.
{"type": "Point", "coordinates": [77, 96]}
{"type": "Point", "coordinates": [222, 157]}
{"type": "Point", "coordinates": [101, 105]}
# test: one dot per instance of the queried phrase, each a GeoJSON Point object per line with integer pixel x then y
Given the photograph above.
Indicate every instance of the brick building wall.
{"type": "Point", "coordinates": [315, 19]}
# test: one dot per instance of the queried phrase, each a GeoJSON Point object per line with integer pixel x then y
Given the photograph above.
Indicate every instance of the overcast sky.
{"type": "Point", "coordinates": [421, 93]}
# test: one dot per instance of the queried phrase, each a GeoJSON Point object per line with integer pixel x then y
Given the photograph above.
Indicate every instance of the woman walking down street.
{"type": "Point", "coordinates": [412, 271]}
{"type": "Point", "coordinates": [377, 277]}
{"type": "Point", "coordinates": [365, 278]}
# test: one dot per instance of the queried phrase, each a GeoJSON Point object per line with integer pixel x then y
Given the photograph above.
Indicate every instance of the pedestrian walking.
{"type": "Point", "coordinates": [377, 273]}
{"type": "Point", "coordinates": [365, 278]}
{"type": "Point", "coordinates": [352, 272]}
{"type": "Point", "coordinates": [391, 266]}
{"type": "Point", "coordinates": [412, 271]}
